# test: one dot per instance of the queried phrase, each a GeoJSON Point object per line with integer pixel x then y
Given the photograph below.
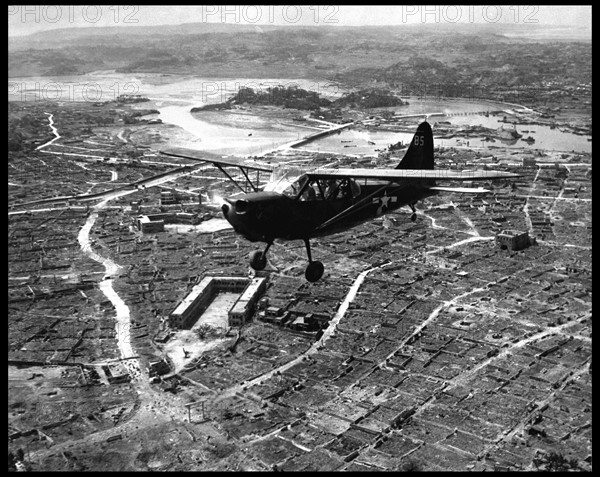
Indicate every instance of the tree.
{"type": "Point", "coordinates": [203, 330]}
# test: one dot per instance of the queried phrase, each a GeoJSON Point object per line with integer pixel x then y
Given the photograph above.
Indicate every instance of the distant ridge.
{"type": "Point", "coordinates": [410, 55]}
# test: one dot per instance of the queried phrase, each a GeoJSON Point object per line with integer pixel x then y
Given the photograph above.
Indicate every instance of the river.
{"type": "Point", "coordinates": [175, 95]}
{"type": "Point", "coordinates": [354, 141]}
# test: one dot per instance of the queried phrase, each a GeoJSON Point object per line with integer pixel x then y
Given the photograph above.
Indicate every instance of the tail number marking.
{"type": "Point", "coordinates": [419, 140]}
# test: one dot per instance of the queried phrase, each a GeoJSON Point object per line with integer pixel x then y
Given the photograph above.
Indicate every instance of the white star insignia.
{"type": "Point", "coordinates": [384, 201]}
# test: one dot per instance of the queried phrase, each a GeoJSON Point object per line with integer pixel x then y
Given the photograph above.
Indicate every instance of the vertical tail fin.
{"type": "Point", "coordinates": [420, 152]}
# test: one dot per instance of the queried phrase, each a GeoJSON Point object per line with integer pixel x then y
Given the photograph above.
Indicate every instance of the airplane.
{"type": "Point", "coordinates": [325, 201]}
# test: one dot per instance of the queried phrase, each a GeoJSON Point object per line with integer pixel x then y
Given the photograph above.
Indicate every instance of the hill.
{"type": "Point", "coordinates": [439, 59]}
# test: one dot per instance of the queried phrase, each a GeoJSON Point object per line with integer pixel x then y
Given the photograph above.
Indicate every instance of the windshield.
{"type": "Point", "coordinates": [286, 181]}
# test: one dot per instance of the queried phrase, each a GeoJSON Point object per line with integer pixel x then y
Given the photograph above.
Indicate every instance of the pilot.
{"type": "Point", "coordinates": [347, 190]}
{"type": "Point", "coordinates": [309, 193]}
{"type": "Point", "coordinates": [330, 190]}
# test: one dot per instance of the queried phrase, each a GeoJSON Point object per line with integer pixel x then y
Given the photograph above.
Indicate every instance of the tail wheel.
{"type": "Point", "coordinates": [413, 217]}
{"type": "Point", "coordinates": [314, 271]}
{"type": "Point", "coordinates": [258, 260]}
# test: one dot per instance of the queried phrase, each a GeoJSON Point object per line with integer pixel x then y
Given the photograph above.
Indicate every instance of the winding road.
{"type": "Point", "coordinates": [123, 321]}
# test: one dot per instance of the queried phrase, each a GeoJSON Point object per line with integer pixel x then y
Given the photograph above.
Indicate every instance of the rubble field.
{"type": "Point", "coordinates": [425, 346]}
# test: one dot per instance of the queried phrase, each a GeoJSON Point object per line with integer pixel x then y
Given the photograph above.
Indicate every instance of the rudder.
{"type": "Point", "coordinates": [420, 152]}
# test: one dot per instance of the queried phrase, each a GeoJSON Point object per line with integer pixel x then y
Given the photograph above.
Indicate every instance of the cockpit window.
{"type": "Point", "coordinates": [355, 188]}
{"type": "Point", "coordinates": [285, 181]}
{"type": "Point", "coordinates": [340, 188]}
{"type": "Point", "coordinates": [310, 190]}
{"type": "Point", "coordinates": [299, 186]}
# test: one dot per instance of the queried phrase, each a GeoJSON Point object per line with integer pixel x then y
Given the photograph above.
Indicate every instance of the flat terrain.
{"type": "Point", "coordinates": [424, 347]}
{"type": "Point", "coordinates": [442, 351]}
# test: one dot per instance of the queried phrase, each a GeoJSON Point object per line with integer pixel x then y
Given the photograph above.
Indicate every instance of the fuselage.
{"type": "Point", "coordinates": [265, 216]}
{"type": "Point", "coordinates": [299, 205]}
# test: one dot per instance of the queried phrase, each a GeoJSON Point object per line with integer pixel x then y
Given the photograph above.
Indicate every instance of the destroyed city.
{"type": "Point", "coordinates": [299, 238]}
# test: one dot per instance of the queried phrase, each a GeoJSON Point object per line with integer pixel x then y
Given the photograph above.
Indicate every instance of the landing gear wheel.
{"type": "Point", "coordinates": [413, 217]}
{"type": "Point", "coordinates": [258, 260]}
{"type": "Point", "coordinates": [314, 271]}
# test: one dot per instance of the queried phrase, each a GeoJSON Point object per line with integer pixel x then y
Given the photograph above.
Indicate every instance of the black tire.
{"type": "Point", "coordinates": [314, 271]}
{"type": "Point", "coordinates": [258, 260]}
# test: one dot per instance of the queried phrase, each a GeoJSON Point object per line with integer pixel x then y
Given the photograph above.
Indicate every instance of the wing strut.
{"type": "Point", "coordinates": [360, 203]}
{"type": "Point", "coordinates": [255, 188]}
{"type": "Point", "coordinates": [220, 162]}
{"type": "Point", "coordinates": [229, 177]}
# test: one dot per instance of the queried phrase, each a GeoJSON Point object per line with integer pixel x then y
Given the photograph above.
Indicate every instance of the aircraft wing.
{"type": "Point", "coordinates": [397, 175]}
{"type": "Point", "coordinates": [464, 190]}
{"type": "Point", "coordinates": [215, 159]}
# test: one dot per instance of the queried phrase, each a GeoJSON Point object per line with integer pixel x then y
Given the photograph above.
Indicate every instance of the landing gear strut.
{"type": "Point", "coordinates": [413, 217]}
{"type": "Point", "coordinates": [314, 270]}
{"type": "Point", "coordinates": [258, 258]}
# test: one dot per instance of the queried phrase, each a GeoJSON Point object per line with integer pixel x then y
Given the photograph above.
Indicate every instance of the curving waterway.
{"type": "Point", "coordinates": [175, 95]}
{"type": "Point", "coordinates": [123, 319]}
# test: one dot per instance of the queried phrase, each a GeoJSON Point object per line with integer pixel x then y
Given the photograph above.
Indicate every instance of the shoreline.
{"type": "Point", "coordinates": [252, 131]}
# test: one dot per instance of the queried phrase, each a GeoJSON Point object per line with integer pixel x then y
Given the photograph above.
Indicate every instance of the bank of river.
{"type": "Point", "coordinates": [175, 95]}
{"type": "Point", "coordinates": [255, 134]}
{"type": "Point", "coordinates": [368, 142]}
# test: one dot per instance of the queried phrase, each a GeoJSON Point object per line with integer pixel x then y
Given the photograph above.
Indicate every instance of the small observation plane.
{"type": "Point", "coordinates": [324, 201]}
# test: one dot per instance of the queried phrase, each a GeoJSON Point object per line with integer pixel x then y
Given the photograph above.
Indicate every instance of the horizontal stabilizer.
{"type": "Point", "coordinates": [403, 174]}
{"type": "Point", "coordinates": [465, 190]}
{"type": "Point", "coordinates": [215, 159]}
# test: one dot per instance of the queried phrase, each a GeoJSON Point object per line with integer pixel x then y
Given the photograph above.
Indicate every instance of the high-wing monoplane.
{"type": "Point", "coordinates": [324, 201]}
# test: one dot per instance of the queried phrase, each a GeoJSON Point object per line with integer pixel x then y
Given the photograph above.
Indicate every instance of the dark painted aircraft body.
{"type": "Point", "coordinates": [265, 216]}
{"type": "Point", "coordinates": [326, 201]}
